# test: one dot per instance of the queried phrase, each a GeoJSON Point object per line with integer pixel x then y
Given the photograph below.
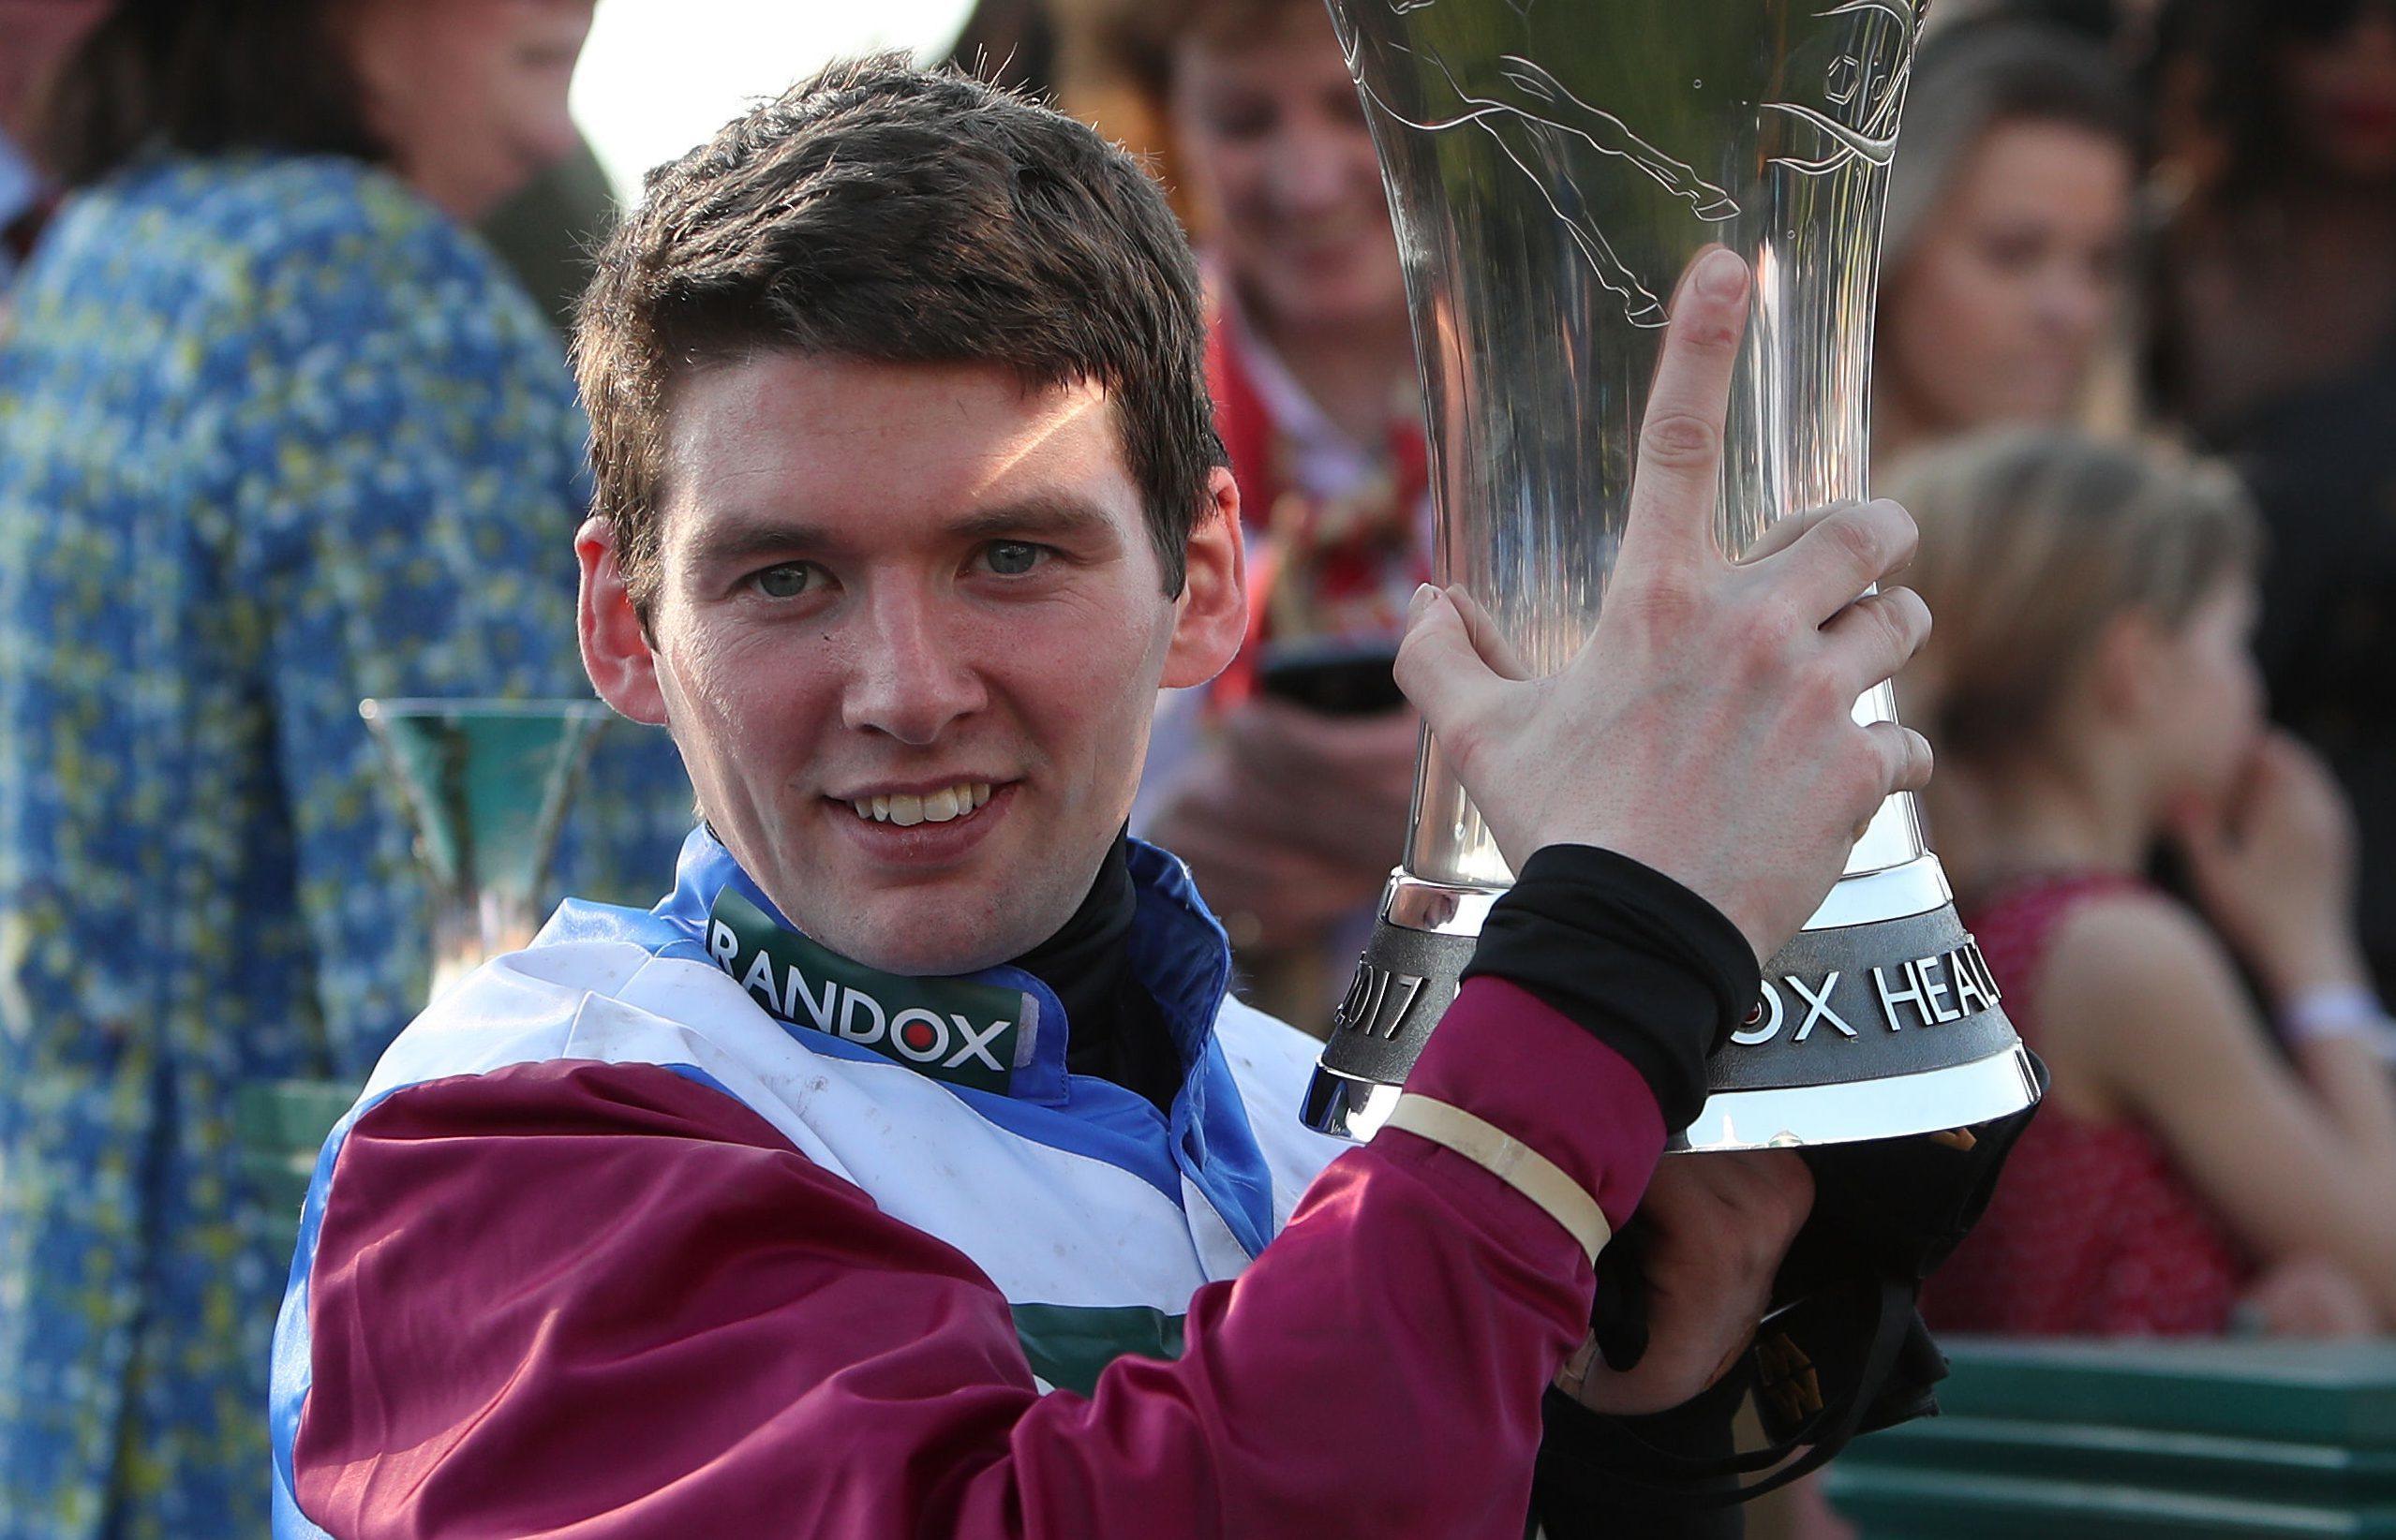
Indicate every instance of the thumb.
{"type": "Point", "coordinates": [1439, 667]}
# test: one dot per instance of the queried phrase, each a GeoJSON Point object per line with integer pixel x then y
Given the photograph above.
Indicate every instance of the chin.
{"type": "Point", "coordinates": [919, 946]}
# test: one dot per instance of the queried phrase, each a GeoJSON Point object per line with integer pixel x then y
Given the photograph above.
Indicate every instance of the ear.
{"type": "Point", "coordinates": [616, 650]}
{"type": "Point", "coordinates": [2126, 665]}
{"type": "Point", "coordinates": [1211, 615]}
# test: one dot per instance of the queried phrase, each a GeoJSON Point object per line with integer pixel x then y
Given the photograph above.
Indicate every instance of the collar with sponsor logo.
{"type": "Point", "coordinates": [960, 1030]}
{"type": "Point", "coordinates": [1178, 954]}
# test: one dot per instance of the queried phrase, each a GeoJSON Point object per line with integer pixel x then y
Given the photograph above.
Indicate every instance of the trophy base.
{"type": "Point", "coordinates": [1877, 1021]}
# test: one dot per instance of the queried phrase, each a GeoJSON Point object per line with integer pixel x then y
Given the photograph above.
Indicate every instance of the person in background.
{"type": "Point", "coordinates": [2007, 238]}
{"type": "Point", "coordinates": [276, 432]}
{"type": "Point", "coordinates": [1287, 788]}
{"type": "Point", "coordinates": [2090, 691]}
{"type": "Point", "coordinates": [2276, 340]}
{"type": "Point", "coordinates": [36, 37]}
{"type": "Point", "coordinates": [2279, 267]}
{"type": "Point", "coordinates": [546, 231]}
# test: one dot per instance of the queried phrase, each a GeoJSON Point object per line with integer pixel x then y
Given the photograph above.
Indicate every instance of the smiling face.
{"type": "Point", "coordinates": [470, 95]}
{"type": "Point", "coordinates": [1277, 148]}
{"type": "Point", "coordinates": [1999, 308]}
{"type": "Point", "coordinates": [907, 634]}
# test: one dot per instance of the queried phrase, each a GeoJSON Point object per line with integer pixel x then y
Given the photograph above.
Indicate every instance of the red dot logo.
{"type": "Point", "coordinates": [918, 1035]}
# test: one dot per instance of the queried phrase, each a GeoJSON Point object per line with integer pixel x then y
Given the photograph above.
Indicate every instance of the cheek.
{"type": "Point", "coordinates": [1230, 176]}
{"type": "Point", "coordinates": [1083, 680]}
{"type": "Point", "coordinates": [1962, 320]}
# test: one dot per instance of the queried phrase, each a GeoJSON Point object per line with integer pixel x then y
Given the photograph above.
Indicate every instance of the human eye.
{"type": "Point", "coordinates": [1240, 117]}
{"type": "Point", "coordinates": [2012, 249]}
{"type": "Point", "coordinates": [784, 579]}
{"type": "Point", "coordinates": [1015, 559]}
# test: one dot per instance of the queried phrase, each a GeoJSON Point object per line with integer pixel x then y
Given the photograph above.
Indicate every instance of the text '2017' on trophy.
{"type": "Point", "coordinates": [1552, 166]}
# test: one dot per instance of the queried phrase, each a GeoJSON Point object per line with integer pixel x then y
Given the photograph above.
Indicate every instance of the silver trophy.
{"type": "Point", "coordinates": [1552, 167]}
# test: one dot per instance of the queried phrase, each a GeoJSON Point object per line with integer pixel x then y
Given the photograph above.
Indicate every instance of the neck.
{"type": "Point", "coordinates": [1087, 956]}
{"type": "Point", "coordinates": [2045, 814]}
{"type": "Point", "coordinates": [1351, 371]}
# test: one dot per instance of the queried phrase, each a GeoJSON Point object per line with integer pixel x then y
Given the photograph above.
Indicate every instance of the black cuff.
{"type": "Point", "coordinates": [1648, 967]}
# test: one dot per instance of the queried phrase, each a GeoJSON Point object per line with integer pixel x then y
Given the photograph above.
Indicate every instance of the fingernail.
{"type": "Point", "coordinates": [1721, 276]}
{"type": "Point", "coordinates": [1424, 594]}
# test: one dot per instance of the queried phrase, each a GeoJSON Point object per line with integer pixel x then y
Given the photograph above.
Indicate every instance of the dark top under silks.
{"type": "Point", "coordinates": [1662, 977]}
{"type": "Point", "coordinates": [1118, 1034]}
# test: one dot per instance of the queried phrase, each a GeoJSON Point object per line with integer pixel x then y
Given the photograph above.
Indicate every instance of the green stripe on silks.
{"type": "Point", "coordinates": [1068, 1344]}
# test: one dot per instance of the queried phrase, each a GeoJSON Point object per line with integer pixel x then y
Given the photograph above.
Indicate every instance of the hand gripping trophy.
{"type": "Point", "coordinates": [1550, 166]}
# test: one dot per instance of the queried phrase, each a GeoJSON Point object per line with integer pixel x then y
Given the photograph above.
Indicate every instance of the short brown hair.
{"type": "Point", "coordinates": [897, 215]}
{"type": "Point", "coordinates": [2032, 540]}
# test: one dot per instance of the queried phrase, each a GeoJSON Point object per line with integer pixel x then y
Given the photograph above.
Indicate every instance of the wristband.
{"type": "Point", "coordinates": [1637, 961]}
{"type": "Point", "coordinates": [2335, 1011]}
{"type": "Point", "coordinates": [1508, 1159]}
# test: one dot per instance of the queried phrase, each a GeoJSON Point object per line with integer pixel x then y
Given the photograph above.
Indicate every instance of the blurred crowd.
{"type": "Point", "coordinates": [285, 422]}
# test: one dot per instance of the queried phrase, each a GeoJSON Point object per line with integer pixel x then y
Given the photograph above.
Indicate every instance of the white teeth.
{"type": "Point", "coordinates": [907, 810]}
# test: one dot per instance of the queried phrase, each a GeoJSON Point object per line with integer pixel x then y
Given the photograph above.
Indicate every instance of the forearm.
{"type": "Point", "coordinates": [2350, 1081]}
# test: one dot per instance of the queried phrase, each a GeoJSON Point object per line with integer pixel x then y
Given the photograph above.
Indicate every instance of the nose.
{"type": "Point", "coordinates": [1309, 172]}
{"type": "Point", "coordinates": [910, 679]}
{"type": "Point", "coordinates": [2074, 303]}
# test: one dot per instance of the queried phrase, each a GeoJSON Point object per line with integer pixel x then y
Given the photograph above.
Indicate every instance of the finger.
{"type": "Point", "coordinates": [1439, 667]}
{"type": "Point", "coordinates": [1905, 759]}
{"type": "Point", "coordinates": [1878, 634]}
{"type": "Point", "coordinates": [1282, 738]}
{"type": "Point", "coordinates": [1487, 640]}
{"type": "Point", "coordinates": [1841, 551]}
{"type": "Point", "coordinates": [1673, 487]}
{"type": "Point", "coordinates": [1781, 533]}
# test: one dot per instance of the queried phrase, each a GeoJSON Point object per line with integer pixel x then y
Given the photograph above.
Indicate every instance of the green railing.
{"type": "Point", "coordinates": [2137, 1440]}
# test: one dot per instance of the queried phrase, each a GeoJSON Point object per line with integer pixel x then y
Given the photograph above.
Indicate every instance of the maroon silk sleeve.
{"type": "Point", "coordinates": [595, 1302]}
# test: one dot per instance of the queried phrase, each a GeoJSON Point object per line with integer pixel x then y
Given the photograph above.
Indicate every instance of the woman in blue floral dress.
{"type": "Point", "coordinates": [276, 433]}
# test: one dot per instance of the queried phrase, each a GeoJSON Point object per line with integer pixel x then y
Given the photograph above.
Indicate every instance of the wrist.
{"type": "Point", "coordinates": [2316, 967]}
{"type": "Point", "coordinates": [1635, 958]}
{"type": "Point", "coordinates": [2334, 1011]}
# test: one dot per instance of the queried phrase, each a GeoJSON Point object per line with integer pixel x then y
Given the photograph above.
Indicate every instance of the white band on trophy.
{"type": "Point", "coordinates": [1508, 1159]}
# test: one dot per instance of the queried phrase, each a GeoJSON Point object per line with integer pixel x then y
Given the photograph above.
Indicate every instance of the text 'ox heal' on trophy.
{"type": "Point", "coordinates": [1553, 166]}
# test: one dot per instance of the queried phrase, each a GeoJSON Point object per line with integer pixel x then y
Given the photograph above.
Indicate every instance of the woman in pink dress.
{"type": "Point", "coordinates": [2090, 693]}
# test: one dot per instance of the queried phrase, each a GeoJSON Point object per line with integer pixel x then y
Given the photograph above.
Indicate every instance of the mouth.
{"type": "Point", "coordinates": [906, 809]}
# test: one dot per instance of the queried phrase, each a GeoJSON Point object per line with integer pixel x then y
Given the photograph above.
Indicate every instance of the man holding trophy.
{"type": "Point", "coordinates": [908, 1169]}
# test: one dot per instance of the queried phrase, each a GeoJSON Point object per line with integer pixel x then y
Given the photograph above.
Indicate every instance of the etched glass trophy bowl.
{"type": "Point", "coordinates": [1553, 167]}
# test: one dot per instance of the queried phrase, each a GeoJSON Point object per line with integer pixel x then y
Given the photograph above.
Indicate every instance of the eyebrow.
{"type": "Point", "coordinates": [1049, 513]}
{"type": "Point", "coordinates": [1034, 516]}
